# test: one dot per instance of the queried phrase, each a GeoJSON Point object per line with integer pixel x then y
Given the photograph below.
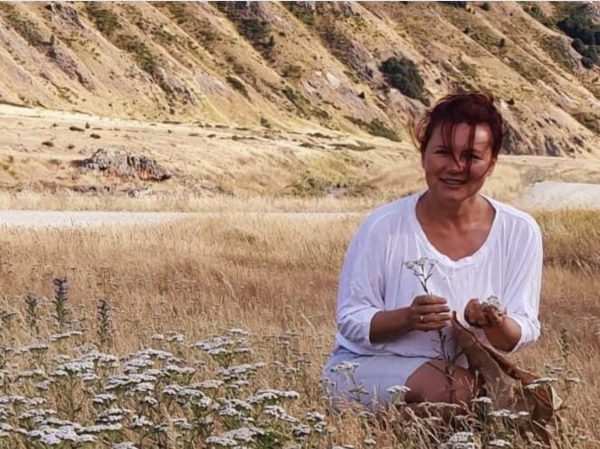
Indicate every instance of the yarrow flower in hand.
{"type": "Point", "coordinates": [492, 301]}
{"type": "Point", "coordinates": [422, 269]}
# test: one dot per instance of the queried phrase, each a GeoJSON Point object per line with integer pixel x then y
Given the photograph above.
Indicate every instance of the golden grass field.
{"type": "Point", "coordinates": [275, 276]}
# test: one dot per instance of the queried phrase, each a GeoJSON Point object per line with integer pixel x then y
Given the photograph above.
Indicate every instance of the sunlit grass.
{"type": "Point", "coordinates": [274, 276]}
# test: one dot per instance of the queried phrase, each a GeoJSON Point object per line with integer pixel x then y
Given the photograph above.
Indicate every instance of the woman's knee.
{"type": "Point", "coordinates": [464, 386]}
{"type": "Point", "coordinates": [438, 382]}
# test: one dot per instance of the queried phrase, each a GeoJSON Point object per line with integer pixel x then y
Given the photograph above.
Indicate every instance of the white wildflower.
{"type": "Point", "coordinates": [493, 301]}
{"type": "Point", "coordinates": [269, 395]}
{"type": "Point", "coordinates": [104, 398]}
{"type": "Point", "coordinates": [345, 366]}
{"type": "Point", "coordinates": [111, 416]}
{"type": "Point", "coordinates": [243, 371]}
{"type": "Point", "coordinates": [101, 428]}
{"type": "Point", "coordinates": [301, 431]}
{"type": "Point", "coordinates": [499, 443]}
{"type": "Point", "coordinates": [244, 434]}
{"type": "Point", "coordinates": [175, 337]}
{"type": "Point", "coordinates": [37, 413]}
{"type": "Point", "coordinates": [44, 384]}
{"type": "Point", "coordinates": [209, 384]}
{"type": "Point", "coordinates": [222, 441]}
{"type": "Point", "coordinates": [124, 445]}
{"type": "Point", "coordinates": [503, 413]}
{"type": "Point", "coordinates": [279, 413]}
{"type": "Point", "coordinates": [56, 436]}
{"type": "Point", "coordinates": [141, 421]}
{"type": "Point", "coordinates": [174, 369]}
{"type": "Point", "coordinates": [398, 389]}
{"type": "Point", "coordinates": [482, 400]}
{"type": "Point", "coordinates": [182, 424]}
{"type": "Point", "coordinates": [461, 440]}
{"type": "Point", "coordinates": [150, 400]}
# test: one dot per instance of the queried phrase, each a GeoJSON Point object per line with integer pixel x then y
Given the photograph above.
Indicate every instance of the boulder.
{"type": "Point", "coordinates": [119, 163]}
{"type": "Point", "coordinates": [61, 57]}
{"type": "Point", "coordinates": [62, 13]}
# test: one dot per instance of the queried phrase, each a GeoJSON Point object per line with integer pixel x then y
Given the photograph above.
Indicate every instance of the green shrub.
{"type": "Point", "coordinates": [291, 71]}
{"type": "Point", "coordinates": [557, 48]}
{"type": "Point", "coordinates": [535, 12]}
{"type": "Point", "coordinates": [265, 123]}
{"type": "Point", "coordinates": [378, 128]}
{"type": "Point", "coordinates": [143, 57]}
{"type": "Point", "coordinates": [578, 45]}
{"type": "Point", "coordinates": [461, 5]}
{"type": "Point", "coordinates": [25, 28]}
{"type": "Point", "coordinates": [336, 41]}
{"type": "Point", "coordinates": [106, 21]}
{"type": "Point", "coordinates": [238, 85]}
{"type": "Point", "coordinates": [375, 128]}
{"type": "Point", "coordinates": [403, 74]}
{"type": "Point", "coordinates": [254, 29]}
{"type": "Point", "coordinates": [589, 53]}
{"type": "Point", "coordinates": [178, 9]}
{"type": "Point", "coordinates": [579, 25]}
{"type": "Point", "coordinates": [589, 120]}
{"type": "Point", "coordinates": [310, 184]}
{"type": "Point", "coordinates": [303, 13]}
{"type": "Point", "coordinates": [298, 100]}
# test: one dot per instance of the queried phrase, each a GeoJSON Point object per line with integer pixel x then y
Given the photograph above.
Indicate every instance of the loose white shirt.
{"type": "Point", "coordinates": [374, 277]}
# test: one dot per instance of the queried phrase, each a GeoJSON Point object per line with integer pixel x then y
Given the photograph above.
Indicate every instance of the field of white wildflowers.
{"type": "Point", "coordinates": [212, 333]}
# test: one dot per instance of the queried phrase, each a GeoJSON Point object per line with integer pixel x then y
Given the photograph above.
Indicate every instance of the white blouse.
{"type": "Point", "coordinates": [374, 277]}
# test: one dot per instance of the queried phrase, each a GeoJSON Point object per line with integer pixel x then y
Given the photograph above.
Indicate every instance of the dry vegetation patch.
{"type": "Point", "coordinates": [169, 286]}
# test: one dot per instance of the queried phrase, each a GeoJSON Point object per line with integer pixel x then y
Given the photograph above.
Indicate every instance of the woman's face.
{"type": "Point", "coordinates": [453, 171]}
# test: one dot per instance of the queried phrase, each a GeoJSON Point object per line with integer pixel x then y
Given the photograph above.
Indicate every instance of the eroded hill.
{"type": "Point", "coordinates": [304, 65]}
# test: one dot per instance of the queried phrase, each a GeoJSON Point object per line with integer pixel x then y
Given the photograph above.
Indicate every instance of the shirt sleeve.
{"type": "Point", "coordinates": [522, 286]}
{"type": "Point", "coordinates": [361, 286]}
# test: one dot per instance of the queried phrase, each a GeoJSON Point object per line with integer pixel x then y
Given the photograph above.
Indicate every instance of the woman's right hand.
{"type": "Point", "coordinates": [428, 313]}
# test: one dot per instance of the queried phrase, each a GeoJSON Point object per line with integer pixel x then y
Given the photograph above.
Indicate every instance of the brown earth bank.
{"type": "Point", "coordinates": [357, 69]}
{"type": "Point", "coordinates": [75, 156]}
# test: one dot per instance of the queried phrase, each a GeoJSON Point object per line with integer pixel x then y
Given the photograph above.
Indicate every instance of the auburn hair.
{"type": "Point", "coordinates": [472, 108]}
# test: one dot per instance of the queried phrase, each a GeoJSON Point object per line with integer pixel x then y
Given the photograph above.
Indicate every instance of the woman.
{"type": "Point", "coordinates": [415, 260]}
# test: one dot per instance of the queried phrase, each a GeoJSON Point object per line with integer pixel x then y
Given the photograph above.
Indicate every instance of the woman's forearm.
{"type": "Point", "coordinates": [388, 325]}
{"type": "Point", "coordinates": [505, 335]}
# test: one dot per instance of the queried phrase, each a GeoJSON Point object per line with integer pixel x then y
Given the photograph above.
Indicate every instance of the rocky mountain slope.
{"type": "Point", "coordinates": [303, 66]}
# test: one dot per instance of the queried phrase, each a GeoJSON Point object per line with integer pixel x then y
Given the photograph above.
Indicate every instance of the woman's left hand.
{"type": "Point", "coordinates": [482, 315]}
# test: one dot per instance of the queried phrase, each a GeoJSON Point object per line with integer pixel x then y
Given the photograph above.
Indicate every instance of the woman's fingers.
{"type": "Point", "coordinates": [436, 308]}
{"type": "Point", "coordinates": [431, 325]}
{"type": "Point", "coordinates": [493, 315]}
{"type": "Point", "coordinates": [436, 317]}
{"type": "Point", "coordinates": [429, 312]}
{"type": "Point", "coordinates": [432, 321]}
{"type": "Point", "coordinates": [429, 299]}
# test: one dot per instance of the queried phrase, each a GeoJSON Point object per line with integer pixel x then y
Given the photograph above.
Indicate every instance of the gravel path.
{"type": "Point", "coordinates": [553, 195]}
{"type": "Point", "coordinates": [546, 194]}
{"type": "Point", "coordinates": [68, 219]}
{"type": "Point", "coordinates": [62, 219]}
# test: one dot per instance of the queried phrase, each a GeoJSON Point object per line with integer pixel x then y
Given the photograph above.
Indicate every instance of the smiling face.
{"type": "Point", "coordinates": [455, 170]}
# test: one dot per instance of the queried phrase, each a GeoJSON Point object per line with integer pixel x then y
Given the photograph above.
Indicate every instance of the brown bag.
{"type": "Point", "coordinates": [498, 375]}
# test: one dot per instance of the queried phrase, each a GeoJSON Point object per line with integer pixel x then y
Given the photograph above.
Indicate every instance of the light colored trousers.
{"type": "Point", "coordinates": [369, 382]}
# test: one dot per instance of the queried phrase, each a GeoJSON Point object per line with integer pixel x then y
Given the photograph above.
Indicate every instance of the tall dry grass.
{"type": "Point", "coordinates": [275, 275]}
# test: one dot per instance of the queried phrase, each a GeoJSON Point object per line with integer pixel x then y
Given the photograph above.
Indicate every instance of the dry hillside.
{"type": "Point", "coordinates": [298, 63]}
{"type": "Point", "coordinates": [258, 96]}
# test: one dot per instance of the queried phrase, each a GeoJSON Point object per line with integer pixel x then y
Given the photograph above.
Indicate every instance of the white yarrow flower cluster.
{"type": "Point", "coordinates": [461, 440]}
